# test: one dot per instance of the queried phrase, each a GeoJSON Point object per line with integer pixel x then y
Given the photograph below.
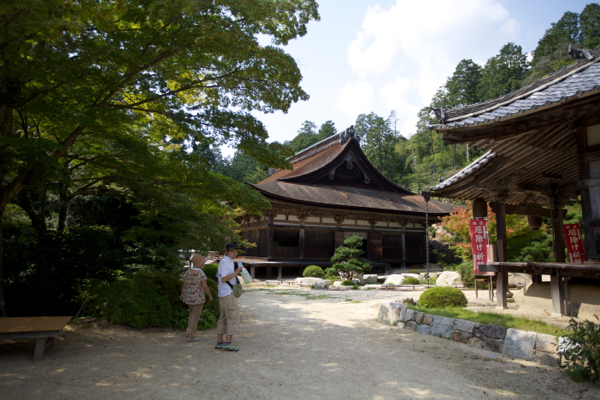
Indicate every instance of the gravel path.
{"type": "Point", "coordinates": [295, 344]}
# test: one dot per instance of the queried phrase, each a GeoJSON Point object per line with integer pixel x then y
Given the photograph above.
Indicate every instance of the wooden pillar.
{"type": "Point", "coordinates": [502, 283]}
{"type": "Point", "coordinates": [559, 237]}
{"type": "Point", "coordinates": [279, 268]}
{"type": "Point", "coordinates": [270, 239]}
{"type": "Point", "coordinates": [301, 242]}
{"type": "Point", "coordinates": [252, 271]}
{"type": "Point", "coordinates": [403, 249]}
{"type": "Point", "coordinates": [587, 213]}
{"type": "Point", "coordinates": [557, 292]}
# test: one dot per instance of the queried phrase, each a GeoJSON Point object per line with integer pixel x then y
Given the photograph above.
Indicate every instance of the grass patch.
{"type": "Point", "coordinates": [505, 320]}
{"type": "Point", "coordinates": [352, 301]}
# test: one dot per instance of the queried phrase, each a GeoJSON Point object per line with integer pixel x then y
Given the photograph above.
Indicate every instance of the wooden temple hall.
{"type": "Point", "coordinates": [543, 150]}
{"type": "Point", "coordinates": [334, 192]}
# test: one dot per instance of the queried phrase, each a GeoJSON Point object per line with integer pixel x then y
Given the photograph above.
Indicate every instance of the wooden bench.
{"type": "Point", "coordinates": [42, 329]}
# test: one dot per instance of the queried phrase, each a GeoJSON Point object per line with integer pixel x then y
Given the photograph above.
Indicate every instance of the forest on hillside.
{"type": "Point", "coordinates": [417, 160]}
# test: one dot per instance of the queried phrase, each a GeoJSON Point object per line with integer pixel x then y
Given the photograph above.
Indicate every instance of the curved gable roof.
{"type": "Point", "coordinates": [336, 173]}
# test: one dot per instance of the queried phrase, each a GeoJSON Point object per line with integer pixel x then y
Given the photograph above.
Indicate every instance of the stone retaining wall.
{"type": "Point", "coordinates": [511, 342]}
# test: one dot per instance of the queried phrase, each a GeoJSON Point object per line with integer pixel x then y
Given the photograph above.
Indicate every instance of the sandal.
{"type": "Point", "coordinates": [230, 348]}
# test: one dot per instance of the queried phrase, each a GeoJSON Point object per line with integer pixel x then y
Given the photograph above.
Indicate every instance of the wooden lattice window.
{"type": "Point", "coordinates": [415, 246]}
{"type": "Point", "coordinates": [318, 244]}
{"type": "Point", "coordinates": [392, 247]}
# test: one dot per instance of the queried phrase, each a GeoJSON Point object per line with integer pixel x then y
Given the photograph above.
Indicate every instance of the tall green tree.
{"type": "Point", "coordinates": [579, 30]}
{"type": "Point", "coordinates": [147, 76]}
{"type": "Point", "coordinates": [462, 85]}
{"type": "Point", "coordinates": [379, 142]}
{"type": "Point", "coordinates": [503, 73]}
{"type": "Point", "coordinates": [589, 20]}
{"type": "Point", "coordinates": [306, 137]}
{"type": "Point", "coordinates": [326, 130]}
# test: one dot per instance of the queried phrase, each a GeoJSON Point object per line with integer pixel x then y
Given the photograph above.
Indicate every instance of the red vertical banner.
{"type": "Point", "coordinates": [574, 243]}
{"type": "Point", "coordinates": [479, 242]}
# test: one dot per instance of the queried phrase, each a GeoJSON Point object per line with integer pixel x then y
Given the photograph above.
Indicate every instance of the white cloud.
{"type": "Point", "coordinates": [355, 99]}
{"type": "Point", "coordinates": [414, 46]}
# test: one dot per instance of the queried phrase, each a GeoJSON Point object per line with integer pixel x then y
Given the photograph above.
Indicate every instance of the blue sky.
{"type": "Point", "coordinates": [378, 56]}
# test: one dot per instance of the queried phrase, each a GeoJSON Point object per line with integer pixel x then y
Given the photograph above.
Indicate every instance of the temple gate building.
{"type": "Point", "coordinates": [334, 192]}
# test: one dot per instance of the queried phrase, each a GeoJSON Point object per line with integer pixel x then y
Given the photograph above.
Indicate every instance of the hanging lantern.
{"type": "Point", "coordinates": [480, 208]}
{"type": "Point", "coordinates": [535, 222]}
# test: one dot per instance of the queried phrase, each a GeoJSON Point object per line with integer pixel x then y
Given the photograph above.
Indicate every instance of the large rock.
{"type": "Point", "coordinates": [449, 278]}
{"type": "Point", "coordinates": [493, 331]}
{"type": "Point", "coordinates": [588, 312]}
{"type": "Point", "coordinates": [390, 313]}
{"type": "Point", "coordinates": [424, 329]}
{"type": "Point", "coordinates": [519, 344]}
{"type": "Point", "coordinates": [465, 326]}
{"type": "Point", "coordinates": [395, 279]}
{"type": "Point", "coordinates": [442, 326]}
{"type": "Point", "coordinates": [518, 279]}
{"type": "Point", "coordinates": [546, 343]}
{"type": "Point", "coordinates": [460, 337]}
{"type": "Point", "coordinates": [370, 279]}
{"type": "Point", "coordinates": [322, 284]}
{"type": "Point", "coordinates": [409, 315]}
{"type": "Point", "coordinates": [310, 281]}
{"type": "Point", "coordinates": [428, 319]}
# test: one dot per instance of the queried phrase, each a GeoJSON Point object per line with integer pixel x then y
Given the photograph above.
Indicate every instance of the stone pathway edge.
{"type": "Point", "coordinates": [530, 346]}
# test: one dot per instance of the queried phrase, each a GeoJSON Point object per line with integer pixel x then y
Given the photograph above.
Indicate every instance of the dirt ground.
{"type": "Point", "coordinates": [294, 344]}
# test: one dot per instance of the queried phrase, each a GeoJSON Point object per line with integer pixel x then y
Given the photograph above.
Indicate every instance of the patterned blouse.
{"type": "Point", "coordinates": [192, 287]}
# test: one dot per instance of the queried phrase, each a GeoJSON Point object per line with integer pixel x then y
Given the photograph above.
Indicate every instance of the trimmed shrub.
{"type": "Point", "coordinates": [414, 271]}
{"type": "Point", "coordinates": [313, 271]}
{"type": "Point", "coordinates": [410, 281]}
{"type": "Point", "coordinates": [348, 282]}
{"type": "Point", "coordinates": [440, 297]}
{"type": "Point", "coordinates": [211, 271]}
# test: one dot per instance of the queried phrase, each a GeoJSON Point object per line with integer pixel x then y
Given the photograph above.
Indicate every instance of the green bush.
{"type": "Point", "coordinates": [332, 277]}
{"type": "Point", "coordinates": [413, 271]}
{"type": "Point", "coordinates": [348, 282]}
{"type": "Point", "coordinates": [132, 301]}
{"type": "Point", "coordinates": [582, 354]}
{"type": "Point", "coordinates": [466, 274]}
{"type": "Point", "coordinates": [211, 271]}
{"type": "Point", "coordinates": [410, 281]}
{"type": "Point", "coordinates": [313, 271]}
{"type": "Point", "coordinates": [440, 297]}
{"type": "Point", "coordinates": [166, 285]}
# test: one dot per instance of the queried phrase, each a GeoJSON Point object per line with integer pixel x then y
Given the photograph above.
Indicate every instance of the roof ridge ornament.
{"type": "Point", "coordinates": [347, 134]}
{"type": "Point", "coordinates": [580, 54]}
{"type": "Point", "coordinates": [440, 114]}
